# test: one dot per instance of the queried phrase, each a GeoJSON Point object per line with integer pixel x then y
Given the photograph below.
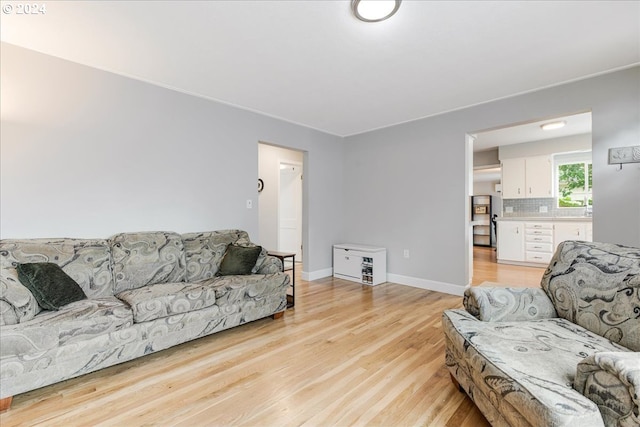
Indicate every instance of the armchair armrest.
{"type": "Point", "coordinates": [508, 304]}
{"type": "Point", "coordinates": [612, 381]}
{"type": "Point", "coordinates": [270, 265]}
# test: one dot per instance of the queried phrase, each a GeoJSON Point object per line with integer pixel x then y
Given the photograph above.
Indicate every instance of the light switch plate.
{"type": "Point", "coordinates": [508, 209]}
{"type": "Point", "coordinates": [543, 209]}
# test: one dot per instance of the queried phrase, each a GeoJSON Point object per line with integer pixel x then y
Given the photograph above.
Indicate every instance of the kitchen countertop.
{"type": "Point", "coordinates": [545, 218]}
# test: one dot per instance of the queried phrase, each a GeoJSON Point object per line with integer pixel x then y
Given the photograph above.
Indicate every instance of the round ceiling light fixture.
{"type": "Point", "coordinates": [553, 125]}
{"type": "Point", "coordinates": [374, 10]}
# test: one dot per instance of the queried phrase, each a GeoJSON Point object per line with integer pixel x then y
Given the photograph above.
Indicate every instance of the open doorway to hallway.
{"type": "Point", "coordinates": [280, 200]}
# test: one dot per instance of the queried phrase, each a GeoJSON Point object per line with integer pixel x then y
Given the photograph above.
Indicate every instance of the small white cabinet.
{"type": "Point", "coordinates": [538, 242]}
{"type": "Point", "coordinates": [527, 177]}
{"type": "Point", "coordinates": [571, 231]}
{"type": "Point", "coordinates": [510, 241]}
{"type": "Point", "coordinates": [360, 263]}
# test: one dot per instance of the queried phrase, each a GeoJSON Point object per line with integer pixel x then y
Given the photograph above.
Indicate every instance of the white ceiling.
{"type": "Point", "coordinates": [576, 124]}
{"type": "Point", "coordinates": [313, 63]}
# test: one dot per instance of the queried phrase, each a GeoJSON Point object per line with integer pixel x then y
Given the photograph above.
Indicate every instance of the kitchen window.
{"type": "Point", "coordinates": [573, 172]}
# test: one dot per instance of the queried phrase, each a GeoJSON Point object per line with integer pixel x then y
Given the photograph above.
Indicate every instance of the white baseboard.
{"type": "Point", "coordinates": [318, 274]}
{"type": "Point", "coordinates": [431, 285]}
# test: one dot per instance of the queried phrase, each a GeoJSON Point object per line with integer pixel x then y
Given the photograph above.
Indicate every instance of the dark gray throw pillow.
{"type": "Point", "coordinates": [239, 260]}
{"type": "Point", "coordinates": [50, 286]}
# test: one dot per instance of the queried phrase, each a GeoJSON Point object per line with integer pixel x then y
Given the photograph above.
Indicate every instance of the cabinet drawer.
{"type": "Point", "coordinates": [539, 231]}
{"type": "Point", "coordinates": [347, 263]}
{"type": "Point", "coordinates": [538, 239]}
{"type": "Point", "coordinates": [540, 257]}
{"type": "Point", "coordinates": [539, 247]}
{"type": "Point", "coordinates": [539, 225]}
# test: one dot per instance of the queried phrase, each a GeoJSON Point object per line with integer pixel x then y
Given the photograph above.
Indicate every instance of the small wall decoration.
{"type": "Point", "coordinates": [260, 185]}
{"type": "Point", "coordinates": [620, 155]}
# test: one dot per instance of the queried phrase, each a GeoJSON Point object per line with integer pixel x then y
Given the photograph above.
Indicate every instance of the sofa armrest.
{"type": "Point", "coordinates": [270, 265]}
{"type": "Point", "coordinates": [612, 381]}
{"type": "Point", "coordinates": [493, 304]}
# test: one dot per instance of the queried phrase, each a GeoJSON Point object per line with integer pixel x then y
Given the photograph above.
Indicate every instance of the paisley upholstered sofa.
{"type": "Point", "coordinates": [567, 354]}
{"type": "Point", "coordinates": [140, 293]}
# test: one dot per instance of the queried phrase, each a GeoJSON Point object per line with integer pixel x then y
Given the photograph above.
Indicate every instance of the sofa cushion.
{"type": "Point", "coordinates": [77, 321]}
{"type": "Point", "coordinates": [204, 252]}
{"type": "Point", "coordinates": [166, 299]}
{"type": "Point", "coordinates": [87, 261]}
{"type": "Point", "coordinates": [146, 258]}
{"type": "Point", "coordinates": [239, 260]}
{"type": "Point", "coordinates": [597, 286]}
{"type": "Point", "coordinates": [529, 366]}
{"type": "Point", "coordinates": [50, 286]}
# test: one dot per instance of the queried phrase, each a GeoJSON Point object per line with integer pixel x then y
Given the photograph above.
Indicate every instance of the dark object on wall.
{"type": "Point", "coordinates": [260, 185]}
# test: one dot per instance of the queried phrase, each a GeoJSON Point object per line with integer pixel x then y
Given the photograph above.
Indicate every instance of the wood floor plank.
{"type": "Point", "coordinates": [347, 354]}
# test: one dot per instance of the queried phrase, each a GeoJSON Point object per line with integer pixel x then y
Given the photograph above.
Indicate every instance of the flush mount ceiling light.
{"type": "Point", "coordinates": [374, 10]}
{"type": "Point", "coordinates": [553, 125]}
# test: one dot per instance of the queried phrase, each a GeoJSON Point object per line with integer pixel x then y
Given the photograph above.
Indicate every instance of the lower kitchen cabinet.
{"type": "Point", "coordinates": [538, 242]}
{"type": "Point", "coordinates": [571, 231]}
{"type": "Point", "coordinates": [534, 243]}
{"type": "Point", "coordinates": [510, 241]}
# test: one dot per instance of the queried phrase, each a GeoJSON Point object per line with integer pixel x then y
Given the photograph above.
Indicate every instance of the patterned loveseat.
{"type": "Point", "coordinates": [564, 355]}
{"type": "Point", "coordinates": [145, 292]}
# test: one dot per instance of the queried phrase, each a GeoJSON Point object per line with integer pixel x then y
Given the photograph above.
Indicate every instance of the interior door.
{"type": "Point", "coordinates": [290, 209]}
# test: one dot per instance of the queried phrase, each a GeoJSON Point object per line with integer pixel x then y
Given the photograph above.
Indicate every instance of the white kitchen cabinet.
{"type": "Point", "coordinates": [360, 263]}
{"type": "Point", "coordinates": [511, 241]}
{"type": "Point", "coordinates": [538, 242]}
{"type": "Point", "coordinates": [513, 179]}
{"type": "Point", "coordinates": [527, 177]}
{"type": "Point", "coordinates": [571, 231]}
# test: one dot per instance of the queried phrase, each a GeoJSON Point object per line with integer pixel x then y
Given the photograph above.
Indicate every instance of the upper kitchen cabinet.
{"type": "Point", "coordinates": [527, 177]}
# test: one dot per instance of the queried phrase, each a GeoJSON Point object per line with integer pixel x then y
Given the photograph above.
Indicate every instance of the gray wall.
{"type": "Point", "coordinates": [406, 186]}
{"type": "Point", "coordinates": [87, 153]}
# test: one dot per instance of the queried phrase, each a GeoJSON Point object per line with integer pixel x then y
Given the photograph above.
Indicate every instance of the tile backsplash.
{"type": "Point", "coordinates": [532, 208]}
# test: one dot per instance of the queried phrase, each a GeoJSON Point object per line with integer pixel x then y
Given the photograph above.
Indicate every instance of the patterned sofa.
{"type": "Point", "coordinates": [564, 355]}
{"type": "Point", "coordinates": [145, 292]}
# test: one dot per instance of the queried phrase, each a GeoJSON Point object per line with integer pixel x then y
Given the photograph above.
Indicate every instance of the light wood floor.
{"type": "Point", "coordinates": [347, 354]}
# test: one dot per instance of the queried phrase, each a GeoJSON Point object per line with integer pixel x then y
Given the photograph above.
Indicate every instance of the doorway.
{"type": "Point", "coordinates": [290, 209]}
{"type": "Point", "coordinates": [280, 199]}
{"type": "Point", "coordinates": [491, 147]}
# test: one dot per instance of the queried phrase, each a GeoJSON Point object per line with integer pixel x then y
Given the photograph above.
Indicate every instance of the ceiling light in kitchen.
{"type": "Point", "coordinates": [553, 125]}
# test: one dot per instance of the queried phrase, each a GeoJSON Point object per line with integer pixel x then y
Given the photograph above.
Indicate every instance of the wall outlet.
{"type": "Point", "coordinates": [544, 209]}
{"type": "Point", "coordinates": [508, 209]}
{"type": "Point", "coordinates": [249, 203]}
{"type": "Point", "coordinates": [406, 253]}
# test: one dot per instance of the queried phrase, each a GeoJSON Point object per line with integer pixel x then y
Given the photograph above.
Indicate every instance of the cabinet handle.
{"type": "Point", "coordinates": [518, 190]}
{"type": "Point", "coordinates": [529, 190]}
{"type": "Point", "coordinates": [517, 230]}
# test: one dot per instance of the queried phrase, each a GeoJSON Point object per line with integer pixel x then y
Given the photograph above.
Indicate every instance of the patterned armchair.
{"type": "Point", "coordinates": [565, 354]}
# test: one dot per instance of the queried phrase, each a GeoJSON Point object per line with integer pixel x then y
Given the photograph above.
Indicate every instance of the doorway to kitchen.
{"type": "Point", "coordinates": [528, 143]}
